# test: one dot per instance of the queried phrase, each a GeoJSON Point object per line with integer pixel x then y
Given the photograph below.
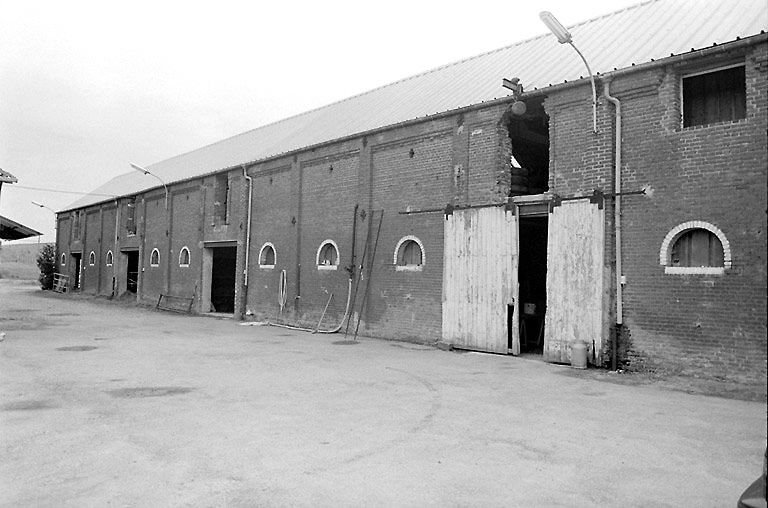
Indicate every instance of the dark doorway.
{"type": "Point", "coordinates": [223, 279]}
{"type": "Point", "coordinates": [78, 264]}
{"type": "Point", "coordinates": [132, 274]}
{"type": "Point", "coordinates": [532, 275]}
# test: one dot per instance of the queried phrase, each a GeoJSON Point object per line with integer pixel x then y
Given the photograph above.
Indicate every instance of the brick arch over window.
{"type": "Point", "coordinates": [406, 264]}
{"type": "Point", "coordinates": [665, 253]}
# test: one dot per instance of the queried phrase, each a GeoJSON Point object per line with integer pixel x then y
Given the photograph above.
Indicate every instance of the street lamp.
{"type": "Point", "coordinates": [564, 37]}
{"type": "Point", "coordinates": [148, 172]}
{"type": "Point", "coordinates": [43, 206]}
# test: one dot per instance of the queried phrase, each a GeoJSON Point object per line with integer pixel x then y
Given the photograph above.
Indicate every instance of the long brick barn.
{"type": "Point", "coordinates": [446, 208]}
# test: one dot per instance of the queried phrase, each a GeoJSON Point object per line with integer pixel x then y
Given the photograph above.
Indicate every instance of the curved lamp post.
{"type": "Point", "coordinates": [148, 172]}
{"type": "Point", "coordinates": [564, 37]}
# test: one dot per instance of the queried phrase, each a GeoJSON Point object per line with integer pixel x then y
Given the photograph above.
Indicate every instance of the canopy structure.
{"type": "Point", "coordinates": [12, 230]}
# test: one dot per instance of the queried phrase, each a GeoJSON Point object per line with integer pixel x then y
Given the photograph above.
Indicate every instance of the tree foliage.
{"type": "Point", "coordinates": [46, 261]}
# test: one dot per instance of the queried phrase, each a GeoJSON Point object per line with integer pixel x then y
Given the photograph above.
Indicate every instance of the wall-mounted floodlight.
{"type": "Point", "coordinates": [148, 172]}
{"type": "Point", "coordinates": [564, 37]}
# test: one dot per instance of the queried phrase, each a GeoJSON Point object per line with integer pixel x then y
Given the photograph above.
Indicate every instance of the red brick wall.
{"type": "Point", "coordinates": [710, 325]}
{"type": "Point", "coordinates": [154, 225]}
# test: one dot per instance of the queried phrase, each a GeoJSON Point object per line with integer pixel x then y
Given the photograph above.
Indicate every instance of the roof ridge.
{"type": "Point", "coordinates": [402, 80]}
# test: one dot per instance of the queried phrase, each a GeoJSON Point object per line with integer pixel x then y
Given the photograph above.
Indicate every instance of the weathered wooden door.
{"type": "Point", "coordinates": [480, 280]}
{"type": "Point", "coordinates": [574, 279]}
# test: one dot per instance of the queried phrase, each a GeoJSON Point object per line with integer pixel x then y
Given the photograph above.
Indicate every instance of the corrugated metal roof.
{"type": "Point", "coordinates": [647, 31]}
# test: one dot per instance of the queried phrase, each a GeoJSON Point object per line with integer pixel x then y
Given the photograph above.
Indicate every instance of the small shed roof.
{"type": "Point", "coordinates": [12, 230]}
{"type": "Point", "coordinates": [6, 177]}
{"type": "Point", "coordinates": [648, 31]}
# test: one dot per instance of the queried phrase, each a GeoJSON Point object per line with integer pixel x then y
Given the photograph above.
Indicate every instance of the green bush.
{"type": "Point", "coordinates": [46, 261]}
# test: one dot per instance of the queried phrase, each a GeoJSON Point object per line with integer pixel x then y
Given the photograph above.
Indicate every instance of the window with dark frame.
{"type": "Point", "coordinates": [221, 199]}
{"type": "Point", "coordinates": [328, 255]}
{"type": "Point", "coordinates": [267, 257]}
{"type": "Point", "coordinates": [154, 258]}
{"type": "Point", "coordinates": [76, 226]}
{"type": "Point", "coordinates": [184, 257]}
{"type": "Point", "coordinates": [130, 222]}
{"type": "Point", "coordinates": [697, 248]}
{"type": "Point", "coordinates": [718, 96]}
{"type": "Point", "coordinates": [409, 254]}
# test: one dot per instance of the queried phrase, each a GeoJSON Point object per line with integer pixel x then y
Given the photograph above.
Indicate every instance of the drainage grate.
{"type": "Point", "coordinates": [76, 348]}
{"type": "Point", "coordinates": [149, 391]}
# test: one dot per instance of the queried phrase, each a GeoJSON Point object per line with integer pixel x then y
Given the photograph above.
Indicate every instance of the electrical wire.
{"type": "Point", "coordinates": [63, 191]}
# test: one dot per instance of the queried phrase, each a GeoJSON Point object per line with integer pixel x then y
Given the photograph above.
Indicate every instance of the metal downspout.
{"type": "Point", "coordinates": [116, 253]}
{"type": "Point", "coordinates": [616, 218]}
{"type": "Point", "coordinates": [247, 234]}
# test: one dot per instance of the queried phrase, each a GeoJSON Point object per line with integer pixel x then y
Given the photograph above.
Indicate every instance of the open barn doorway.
{"type": "Point", "coordinates": [219, 276]}
{"type": "Point", "coordinates": [132, 271]}
{"type": "Point", "coordinates": [532, 276]}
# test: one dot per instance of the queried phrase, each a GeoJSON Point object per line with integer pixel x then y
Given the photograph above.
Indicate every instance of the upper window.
{"type": "Point", "coordinates": [328, 256]}
{"type": "Point", "coordinates": [63, 260]}
{"type": "Point", "coordinates": [267, 256]}
{"type": "Point", "coordinates": [109, 258]}
{"type": "Point", "coordinates": [76, 225]}
{"type": "Point", "coordinates": [718, 96]}
{"type": "Point", "coordinates": [130, 222]}
{"type": "Point", "coordinates": [154, 258]}
{"type": "Point", "coordinates": [91, 258]}
{"type": "Point", "coordinates": [409, 254]}
{"type": "Point", "coordinates": [221, 199]}
{"type": "Point", "coordinates": [184, 257]}
{"type": "Point", "coordinates": [695, 247]}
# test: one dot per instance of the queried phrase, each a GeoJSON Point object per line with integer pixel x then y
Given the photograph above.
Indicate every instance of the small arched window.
{"type": "Point", "coordinates": [184, 257]}
{"type": "Point", "coordinates": [267, 256]}
{"type": "Point", "coordinates": [695, 247]}
{"type": "Point", "coordinates": [63, 260]}
{"type": "Point", "coordinates": [154, 258]}
{"type": "Point", "coordinates": [91, 258]}
{"type": "Point", "coordinates": [109, 258]}
{"type": "Point", "coordinates": [328, 256]}
{"type": "Point", "coordinates": [409, 254]}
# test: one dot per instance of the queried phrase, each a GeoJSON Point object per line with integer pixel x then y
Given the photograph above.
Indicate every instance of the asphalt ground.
{"type": "Point", "coordinates": [103, 404]}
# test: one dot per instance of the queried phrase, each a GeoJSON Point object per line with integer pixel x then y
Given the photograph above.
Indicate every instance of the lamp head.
{"type": "Point", "coordinates": [562, 34]}
{"type": "Point", "coordinates": [38, 204]}
{"type": "Point", "coordinates": [139, 168]}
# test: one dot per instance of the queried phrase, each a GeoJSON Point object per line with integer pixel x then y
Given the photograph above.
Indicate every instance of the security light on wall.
{"type": "Point", "coordinates": [148, 172]}
{"type": "Point", "coordinates": [564, 37]}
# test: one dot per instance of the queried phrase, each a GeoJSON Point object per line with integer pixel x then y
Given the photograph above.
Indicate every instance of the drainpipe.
{"type": "Point", "coordinates": [616, 218]}
{"type": "Point", "coordinates": [116, 253]}
{"type": "Point", "coordinates": [247, 234]}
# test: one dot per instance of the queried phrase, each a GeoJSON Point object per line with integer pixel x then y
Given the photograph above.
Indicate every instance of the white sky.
{"type": "Point", "coordinates": [87, 87]}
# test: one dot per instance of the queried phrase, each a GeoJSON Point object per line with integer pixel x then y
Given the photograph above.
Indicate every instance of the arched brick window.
{"type": "Point", "coordinates": [109, 258]}
{"type": "Point", "coordinates": [92, 259]}
{"type": "Point", "coordinates": [267, 256]}
{"type": "Point", "coordinates": [328, 256]}
{"type": "Point", "coordinates": [184, 257]}
{"type": "Point", "coordinates": [154, 258]}
{"type": "Point", "coordinates": [63, 260]}
{"type": "Point", "coordinates": [695, 247]}
{"type": "Point", "coordinates": [409, 254]}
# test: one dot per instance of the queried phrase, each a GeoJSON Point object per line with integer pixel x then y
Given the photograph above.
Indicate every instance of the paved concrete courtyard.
{"type": "Point", "coordinates": [105, 404]}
